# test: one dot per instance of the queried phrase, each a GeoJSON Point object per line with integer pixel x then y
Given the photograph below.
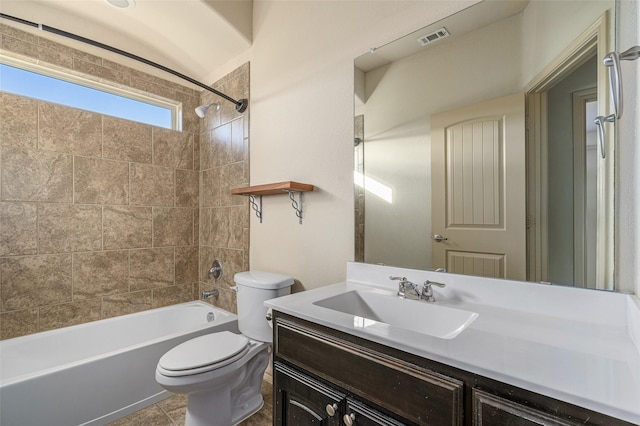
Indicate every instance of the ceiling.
{"type": "Point", "coordinates": [484, 13]}
{"type": "Point", "coordinates": [193, 37]}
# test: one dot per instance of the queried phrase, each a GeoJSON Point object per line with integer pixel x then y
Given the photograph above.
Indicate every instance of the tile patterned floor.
{"type": "Point", "coordinates": [171, 412]}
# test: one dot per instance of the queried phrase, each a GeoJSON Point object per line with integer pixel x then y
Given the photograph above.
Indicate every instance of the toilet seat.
{"type": "Point", "coordinates": [204, 353]}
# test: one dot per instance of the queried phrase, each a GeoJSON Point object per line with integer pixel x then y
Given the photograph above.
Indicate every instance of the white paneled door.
{"type": "Point", "coordinates": [478, 196]}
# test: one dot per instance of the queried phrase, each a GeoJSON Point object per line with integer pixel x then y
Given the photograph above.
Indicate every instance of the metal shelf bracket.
{"type": "Point", "coordinates": [297, 205]}
{"type": "Point", "coordinates": [257, 207]}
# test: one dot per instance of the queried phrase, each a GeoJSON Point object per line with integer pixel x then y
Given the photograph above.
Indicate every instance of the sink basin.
{"type": "Point", "coordinates": [371, 308]}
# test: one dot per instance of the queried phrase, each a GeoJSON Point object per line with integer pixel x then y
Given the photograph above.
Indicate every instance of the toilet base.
{"type": "Point", "coordinates": [230, 404]}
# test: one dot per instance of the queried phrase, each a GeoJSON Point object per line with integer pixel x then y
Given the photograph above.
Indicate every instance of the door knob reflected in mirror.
{"type": "Point", "coordinates": [438, 238]}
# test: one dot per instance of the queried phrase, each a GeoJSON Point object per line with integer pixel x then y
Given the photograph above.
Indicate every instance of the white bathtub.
{"type": "Point", "coordinates": [94, 373]}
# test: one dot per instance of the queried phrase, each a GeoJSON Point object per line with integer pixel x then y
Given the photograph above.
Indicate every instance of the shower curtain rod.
{"type": "Point", "coordinates": [241, 105]}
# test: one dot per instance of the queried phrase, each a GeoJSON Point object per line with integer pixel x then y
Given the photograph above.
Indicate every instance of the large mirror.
{"type": "Point", "coordinates": [476, 150]}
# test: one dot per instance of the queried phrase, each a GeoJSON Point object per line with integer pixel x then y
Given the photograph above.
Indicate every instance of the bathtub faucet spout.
{"type": "Point", "coordinates": [208, 294]}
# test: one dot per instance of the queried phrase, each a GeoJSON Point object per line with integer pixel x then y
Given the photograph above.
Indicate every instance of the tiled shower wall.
{"type": "Point", "coordinates": [224, 165]}
{"type": "Point", "coordinates": [101, 216]}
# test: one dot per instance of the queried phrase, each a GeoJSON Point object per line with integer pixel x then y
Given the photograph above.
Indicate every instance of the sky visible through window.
{"type": "Point", "coordinates": [34, 85]}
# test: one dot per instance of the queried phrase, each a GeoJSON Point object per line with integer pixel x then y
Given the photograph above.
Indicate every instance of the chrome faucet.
{"type": "Point", "coordinates": [427, 291]}
{"type": "Point", "coordinates": [208, 294]}
{"type": "Point", "coordinates": [403, 284]}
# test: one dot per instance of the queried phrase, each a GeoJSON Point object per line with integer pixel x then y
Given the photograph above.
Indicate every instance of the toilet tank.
{"type": "Point", "coordinates": [254, 288]}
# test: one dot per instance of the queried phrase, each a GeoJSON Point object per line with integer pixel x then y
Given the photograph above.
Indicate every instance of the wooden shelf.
{"type": "Point", "coordinates": [273, 188]}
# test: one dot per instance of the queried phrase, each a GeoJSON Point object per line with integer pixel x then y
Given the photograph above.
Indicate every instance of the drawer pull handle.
{"type": "Point", "coordinates": [349, 419]}
{"type": "Point", "coordinates": [331, 409]}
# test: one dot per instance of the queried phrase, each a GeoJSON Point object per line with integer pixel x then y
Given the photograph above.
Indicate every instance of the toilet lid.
{"type": "Point", "coordinates": [215, 349]}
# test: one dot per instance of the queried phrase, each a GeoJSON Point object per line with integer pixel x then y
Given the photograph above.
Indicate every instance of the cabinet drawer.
{"type": "Point", "coordinates": [413, 393]}
{"type": "Point", "coordinates": [489, 410]}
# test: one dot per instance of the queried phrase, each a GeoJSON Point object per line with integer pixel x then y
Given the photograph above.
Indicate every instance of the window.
{"type": "Point", "coordinates": [35, 81]}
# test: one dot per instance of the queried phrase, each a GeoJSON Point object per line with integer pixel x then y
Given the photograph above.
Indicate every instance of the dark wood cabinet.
{"type": "Point", "coordinates": [491, 410]}
{"type": "Point", "coordinates": [325, 377]}
{"type": "Point", "coordinates": [301, 400]}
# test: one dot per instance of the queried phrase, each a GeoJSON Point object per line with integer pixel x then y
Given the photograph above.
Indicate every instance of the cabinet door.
{"type": "Point", "coordinates": [490, 410]}
{"type": "Point", "coordinates": [358, 414]}
{"type": "Point", "coordinates": [303, 401]}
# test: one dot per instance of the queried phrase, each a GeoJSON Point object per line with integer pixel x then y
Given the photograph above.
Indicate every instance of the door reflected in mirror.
{"type": "Point", "coordinates": [485, 138]}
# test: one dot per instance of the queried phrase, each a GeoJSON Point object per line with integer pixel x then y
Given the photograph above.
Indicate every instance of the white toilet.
{"type": "Point", "coordinates": [222, 372]}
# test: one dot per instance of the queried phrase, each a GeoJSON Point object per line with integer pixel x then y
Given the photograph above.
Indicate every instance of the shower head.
{"type": "Point", "coordinates": [201, 111]}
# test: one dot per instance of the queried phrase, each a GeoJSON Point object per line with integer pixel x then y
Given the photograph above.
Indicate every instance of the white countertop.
{"type": "Point", "coordinates": [578, 346]}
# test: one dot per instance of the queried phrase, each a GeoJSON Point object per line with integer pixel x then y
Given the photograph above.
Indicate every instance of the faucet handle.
{"type": "Point", "coordinates": [402, 285]}
{"type": "Point", "coordinates": [427, 292]}
{"type": "Point", "coordinates": [437, 284]}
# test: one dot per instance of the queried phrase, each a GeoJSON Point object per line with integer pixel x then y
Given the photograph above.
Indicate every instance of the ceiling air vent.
{"type": "Point", "coordinates": [436, 35]}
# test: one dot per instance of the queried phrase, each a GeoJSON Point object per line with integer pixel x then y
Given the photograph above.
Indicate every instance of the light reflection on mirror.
{"type": "Point", "coordinates": [372, 186]}
{"type": "Point", "coordinates": [496, 49]}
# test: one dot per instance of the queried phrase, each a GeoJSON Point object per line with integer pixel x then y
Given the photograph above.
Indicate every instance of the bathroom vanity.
{"type": "Point", "coordinates": [342, 358]}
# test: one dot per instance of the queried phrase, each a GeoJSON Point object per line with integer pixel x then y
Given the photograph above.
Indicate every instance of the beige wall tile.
{"type": "Point", "coordinates": [221, 145]}
{"type": "Point", "coordinates": [68, 314]}
{"type": "Point", "coordinates": [210, 188]}
{"type": "Point", "coordinates": [205, 236]}
{"type": "Point", "coordinates": [99, 71]}
{"type": "Point", "coordinates": [237, 140]}
{"type": "Point", "coordinates": [19, 45]}
{"type": "Point", "coordinates": [127, 227]}
{"type": "Point", "coordinates": [196, 151]}
{"type": "Point", "coordinates": [36, 176]}
{"type": "Point", "coordinates": [124, 304]}
{"type": "Point", "coordinates": [172, 148]}
{"type": "Point", "coordinates": [100, 273]}
{"type": "Point", "coordinates": [18, 323]}
{"type": "Point", "coordinates": [152, 268]}
{"type": "Point", "coordinates": [18, 34]}
{"type": "Point", "coordinates": [55, 57]}
{"type": "Point", "coordinates": [231, 261]}
{"type": "Point", "coordinates": [171, 295]}
{"type": "Point", "coordinates": [127, 140]}
{"type": "Point", "coordinates": [152, 84]}
{"type": "Point", "coordinates": [151, 185]}
{"type": "Point", "coordinates": [19, 127]}
{"type": "Point", "coordinates": [220, 230]}
{"type": "Point", "coordinates": [172, 226]}
{"type": "Point", "coordinates": [32, 281]}
{"type": "Point", "coordinates": [206, 148]}
{"type": "Point", "coordinates": [18, 228]}
{"type": "Point", "coordinates": [100, 181]}
{"type": "Point", "coordinates": [67, 288]}
{"type": "Point", "coordinates": [69, 227]}
{"type": "Point", "coordinates": [231, 176]}
{"type": "Point", "coordinates": [187, 186]}
{"type": "Point", "coordinates": [186, 264]}
{"type": "Point", "coordinates": [70, 130]}
{"type": "Point", "coordinates": [238, 221]}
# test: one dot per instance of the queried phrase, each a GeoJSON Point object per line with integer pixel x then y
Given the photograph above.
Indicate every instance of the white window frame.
{"type": "Point", "coordinates": [74, 77]}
